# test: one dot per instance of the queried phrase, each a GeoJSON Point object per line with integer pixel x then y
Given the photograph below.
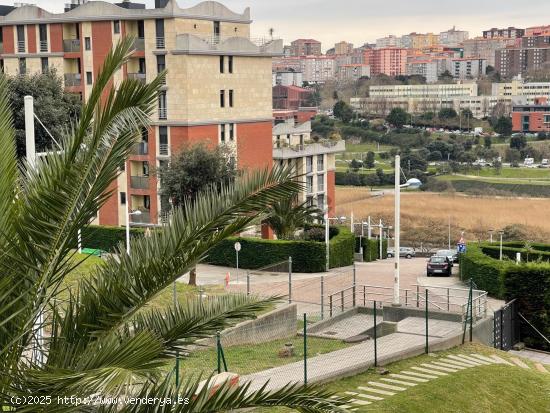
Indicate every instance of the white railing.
{"type": "Point", "coordinates": [164, 149]}
{"type": "Point", "coordinates": [317, 148]}
{"type": "Point", "coordinates": [72, 79]}
{"type": "Point", "coordinates": [163, 113]}
{"type": "Point", "coordinates": [142, 77]}
{"type": "Point", "coordinates": [71, 45]}
{"type": "Point", "coordinates": [139, 44]}
{"type": "Point", "coordinates": [21, 46]}
{"type": "Point", "coordinates": [161, 43]}
{"type": "Point", "coordinates": [217, 39]}
{"type": "Point", "coordinates": [43, 45]}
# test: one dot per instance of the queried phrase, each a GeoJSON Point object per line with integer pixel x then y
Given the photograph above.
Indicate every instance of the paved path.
{"type": "Point", "coordinates": [537, 356]}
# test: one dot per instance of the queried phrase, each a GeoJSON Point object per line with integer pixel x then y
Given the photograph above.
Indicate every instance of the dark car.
{"type": "Point", "coordinates": [439, 265]}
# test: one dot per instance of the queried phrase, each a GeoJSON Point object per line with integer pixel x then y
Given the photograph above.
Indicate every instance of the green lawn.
{"type": "Point", "coordinates": [253, 358]}
{"type": "Point", "coordinates": [535, 173]}
{"type": "Point", "coordinates": [367, 147]}
{"type": "Point", "coordinates": [483, 389]}
{"type": "Point", "coordinates": [493, 180]}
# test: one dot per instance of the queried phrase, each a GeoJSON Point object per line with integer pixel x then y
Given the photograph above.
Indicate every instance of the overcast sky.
{"type": "Point", "coordinates": [360, 21]}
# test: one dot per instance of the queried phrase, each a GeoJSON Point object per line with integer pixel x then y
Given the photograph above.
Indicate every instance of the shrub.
{"type": "Point", "coordinates": [341, 248]}
{"type": "Point", "coordinates": [315, 234]}
{"type": "Point", "coordinates": [371, 249]}
{"type": "Point", "coordinates": [107, 238]}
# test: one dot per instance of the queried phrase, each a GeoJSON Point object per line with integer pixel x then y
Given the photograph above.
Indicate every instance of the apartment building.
{"type": "Point", "coordinates": [426, 68]}
{"type": "Point", "coordinates": [352, 72]}
{"type": "Point", "coordinates": [453, 37]}
{"type": "Point", "coordinates": [343, 47]}
{"type": "Point", "coordinates": [287, 78]}
{"type": "Point", "coordinates": [537, 31]}
{"type": "Point", "coordinates": [532, 118]}
{"type": "Point", "coordinates": [318, 69]}
{"type": "Point", "coordinates": [513, 61]}
{"type": "Point", "coordinates": [420, 41]}
{"type": "Point", "coordinates": [305, 47]}
{"type": "Point", "coordinates": [519, 87]}
{"type": "Point", "coordinates": [467, 68]}
{"type": "Point", "coordinates": [389, 41]}
{"type": "Point", "coordinates": [391, 61]}
{"type": "Point", "coordinates": [315, 160]}
{"type": "Point", "coordinates": [218, 85]}
{"type": "Point", "coordinates": [486, 48]}
{"type": "Point", "coordinates": [509, 33]}
{"type": "Point", "coordinates": [424, 91]}
{"type": "Point", "coordinates": [290, 97]}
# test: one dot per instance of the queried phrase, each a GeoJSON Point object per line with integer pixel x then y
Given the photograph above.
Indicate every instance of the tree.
{"type": "Point", "coordinates": [447, 113]}
{"type": "Point", "coordinates": [411, 161]}
{"type": "Point", "coordinates": [397, 117]}
{"type": "Point", "coordinates": [369, 162]}
{"type": "Point", "coordinates": [105, 338]}
{"type": "Point", "coordinates": [446, 77]}
{"type": "Point", "coordinates": [372, 180]}
{"type": "Point", "coordinates": [343, 111]}
{"type": "Point", "coordinates": [335, 95]}
{"type": "Point", "coordinates": [55, 108]}
{"type": "Point", "coordinates": [435, 156]}
{"type": "Point", "coordinates": [503, 126]}
{"type": "Point", "coordinates": [192, 170]}
{"type": "Point", "coordinates": [287, 216]}
{"type": "Point", "coordinates": [518, 142]}
{"type": "Point", "coordinates": [355, 165]}
{"type": "Point", "coordinates": [466, 113]}
{"type": "Point", "coordinates": [487, 141]}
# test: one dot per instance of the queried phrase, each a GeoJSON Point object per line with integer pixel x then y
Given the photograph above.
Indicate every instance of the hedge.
{"type": "Point", "coordinates": [307, 256]}
{"type": "Point", "coordinates": [487, 272]}
{"type": "Point", "coordinates": [529, 284]}
{"type": "Point", "coordinates": [371, 249]}
{"type": "Point", "coordinates": [107, 238]}
{"type": "Point", "coordinates": [511, 249]}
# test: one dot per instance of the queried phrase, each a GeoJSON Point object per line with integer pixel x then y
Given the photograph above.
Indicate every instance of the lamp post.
{"type": "Point", "coordinates": [411, 183]}
{"type": "Point", "coordinates": [128, 214]}
{"type": "Point", "coordinates": [501, 232]}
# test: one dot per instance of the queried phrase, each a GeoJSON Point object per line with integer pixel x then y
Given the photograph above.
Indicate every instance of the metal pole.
{"type": "Point", "coordinates": [323, 299]}
{"type": "Point", "coordinates": [352, 225]}
{"type": "Point", "coordinates": [29, 131]}
{"type": "Point", "coordinates": [305, 349]}
{"type": "Point", "coordinates": [369, 230]}
{"type": "Point", "coordinates": [354, 283]}
{"type": "Point", "coordinates": [448, 301]}
{"type": "Point", "coordinates": [327, 241]}
{"type": "Point", "coordinates": [397, 229]}
{"type": "Point", "coordinates": [375, 339]}
{"type": "Point", "coordinates": [127, 225]}
{"type": "Point", "coordinates": [471, 308]}
{"type": "Point", "coordinates": [501, 246]}
{"type": "Point", "coordinates": [449, 244]}
{"type": "Point", "coordinates": [237, 269]}
{"type": "Point", "coordinates": [175, 297]}
{"type": "Point", "coordinates": [426, 321]}
{"type": "Point", "coordinates": [248, 283]}
{"type": "Point", "coordinates": [381, 239]}
{"type": "Point", "coordinates": [289, 280]}
{"type": "Point", "coordinates": [417, 296]}
{"type": "Point", "coordinates": [79, 241]}
{"type": "Point", "coordinates": [218, 343]}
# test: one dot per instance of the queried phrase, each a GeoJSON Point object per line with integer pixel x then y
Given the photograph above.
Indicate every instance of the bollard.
{"type": "Point", "coordinates": [218, 345]}
{"type": "Point", "coordinates": [305, 349]}
{"type": "Point", "coordinates": [323, 299]}
{"type": "Point", "coordinates": [248, 283]}
{"type": "Point", "coordinates": [354, 284]}
{"type": "Point", "coordinates": [290, 280]}
{"type": "Point", "coordinates": [375, 336]}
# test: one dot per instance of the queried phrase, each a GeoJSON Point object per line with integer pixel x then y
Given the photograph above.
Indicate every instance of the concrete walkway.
{"type": "Point", "coordinates": [352, 360]}
{"type": "Point", "coordinates": [536, 356]}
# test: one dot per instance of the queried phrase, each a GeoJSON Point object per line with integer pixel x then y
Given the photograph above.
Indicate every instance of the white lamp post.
{"type": "Point", "coordinates": [128, 214]}
{"type": "Point", "coordinates": [501, 234]}
{"type": "Point", "coordinates": [411, 183]}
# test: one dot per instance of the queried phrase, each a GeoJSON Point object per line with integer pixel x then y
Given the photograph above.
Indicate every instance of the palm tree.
{"type": "Point", "coordinates": [286, 216]}
{"type": "Point", "coordinates": [105, 340]}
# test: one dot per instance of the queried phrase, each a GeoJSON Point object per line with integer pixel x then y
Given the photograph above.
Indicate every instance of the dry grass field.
{"type": "Point", "coordinates": [425, 216]}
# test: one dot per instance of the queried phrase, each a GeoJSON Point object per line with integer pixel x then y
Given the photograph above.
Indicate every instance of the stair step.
{"type": "Point", "coordinates": [519, 363]}
{"type": "Point", "coordinates": [416, 379]}
{"type": "Point", "coordinates": [472, 363]}
{"type": "Point", "coordinates": [377, 391]}
{"type": "Point", "coordinates": [399, 382]}
{"type": "Point", "coordinates": [386, 386]}
{"type": "Point", "coordinates": [500, 360]}
{"type": "Point", "coordinates": [436, 367]}
{"type": "Point", "coordinates": [472, 359]}
{"type": "Point", "coordinates": [359, 402]}
{"type": "Point", "coordinates": [481, 357]}
{"type": "Point", "coordinates": [457, 363]}
{"type": "Point", "coordinates": [541, 368]}
{"type": "Point", "coordinates": [421, 375]}
{"type": "Point", "coordinates": [369, 397]}
{"type": "Point", "coordinates": [429, 371]}
{"type": "Point", "coordinates": [449, 366]}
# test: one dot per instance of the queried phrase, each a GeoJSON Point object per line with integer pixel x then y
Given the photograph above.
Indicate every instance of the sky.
{"type": "Point", "coordinates": [360, 21]}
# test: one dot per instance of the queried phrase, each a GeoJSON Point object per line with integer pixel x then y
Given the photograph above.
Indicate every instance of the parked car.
{"type": "Point", "coordinates": [451, 254]}
{"type": "Point", "coordinates": [404, 252]}
{"type": "Point", "coordinates": [439, 265]}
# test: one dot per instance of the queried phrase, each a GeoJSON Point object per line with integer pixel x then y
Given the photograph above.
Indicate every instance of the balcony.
{"type": "Point", "coordinates": [71, 45]}
{"type": "Point", "coordinates": [43, 46]}
{"type": "Point", "coordinates": [164, 149]}
{"type": "Point", "coordinates": [73, 79]}
{"type": "Point", "coordinates": [299, 151]}
{"type": "Point", "coordinates": [141, 148]}
{"type": "Point", "coordinates": [142, 77]}
{"type": "Point", "coordinates": [188, 43]}
{"type": "Point", "coordinates": [161, 43]}
{"type": "Point", "coordinates": [21, 46]}
{"type": "Point", "coordinates": [139, 44]}
{"type": "Point", "coordinates": [143, 218]}
{"type": "Point", "coordinates": [139, 182]}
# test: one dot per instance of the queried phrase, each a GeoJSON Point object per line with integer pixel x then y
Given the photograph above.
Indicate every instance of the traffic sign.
{"type": "Point", "coordinates": [237, 246]}
{"type": "Point", "coordinates": [461, 248]}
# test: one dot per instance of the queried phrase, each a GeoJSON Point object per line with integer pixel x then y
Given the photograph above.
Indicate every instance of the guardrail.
{"type": "Point", "coordinates": [141, 148]}
{"type": "Point", "coordinates": [72, 79]}
{"type": "Point", "coordinates": [139, 44]}
{"type": "Point", "coordinates": [139, 182]}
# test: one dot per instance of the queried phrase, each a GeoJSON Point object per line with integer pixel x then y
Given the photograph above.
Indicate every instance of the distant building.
{"type": "Point", "coordinates": [426, 68]}
{"type": "Point", "coordinates": [391, 61]}
{"type": "Point", "coordinates": [513, 61]}
{"type": "Point", "coordinates": [519, 87]}
{"type": "Point", "coordinates": [290, 97]}
{"type": "Point", "coordinates": [537, 31]}
{"type": "Point", "coordinates": [532, 118]}
{"type": "Point", "coordinates": [314, 160]}
{"type": "Point", "coordinates": [353, 72]}
{"type": "Point", "coordinates": [300, 115]}
{"type": "Point", "coordinates": [486, 48]}
{"type": "Point", "coordinates": [318, 69]}
{"type": "Point", "coordinates": [453, 37]}
{"type": "Point", "coordinates": [468, 68]}
{"type": "Point", "coordinates": [305, 47]}
{"type": "Point", "coordinates": [288, 78]}
{"type": "Point", "coordinates": [424, 91]}
{"type": "Point", "coordinates": [389, 41]}
{"type": "Point", "coordinates": [420, 41]}
{"type": "Point", "coordinates": [509, 33]}
{"type": "Point", "coordinates": [343, 48]}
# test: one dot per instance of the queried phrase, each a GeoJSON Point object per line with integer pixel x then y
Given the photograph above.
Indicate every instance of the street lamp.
{"type": "Point", "coordinates": [128, 214]}
{"type": "Point", "coordinates": [501, 232]}
{"type": "Point", "coordinates": [411, 183]}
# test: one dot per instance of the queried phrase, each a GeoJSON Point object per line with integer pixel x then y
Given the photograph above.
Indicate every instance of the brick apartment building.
{"type": "Point", "coordinates": [391, 61]}
{"type": "Point", "coordinates": [509, 33]}
{"type": "Point", "coordinates": [218, 86]}
{"type": "Point", "coordinates": [532, 118]}
{"type": "Point", "coordinates": [305, 47]}
{"type": "Point", "coordinates": [290, 97]}
{"type": "Point", "coordinates": [532, 53]}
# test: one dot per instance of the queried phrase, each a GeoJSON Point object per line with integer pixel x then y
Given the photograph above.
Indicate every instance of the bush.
{"type": "Point", "coordinates": [315, 234]}
{"type": "Point", "coordinates": [342, 247]}
{"type": "Point", "coordinates": [371, 249]}
{"type": "Point", "coordinates": [107, 238]}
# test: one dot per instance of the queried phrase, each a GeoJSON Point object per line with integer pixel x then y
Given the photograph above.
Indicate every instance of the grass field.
{"type": "Point", "coordinates": [484, 389]}
{"type": "Point", "coordinates": [495, 179]}
{"type": "Point", "coordinates": [427, 214]}
{"type": "Point", "coordinates": [523, 173]}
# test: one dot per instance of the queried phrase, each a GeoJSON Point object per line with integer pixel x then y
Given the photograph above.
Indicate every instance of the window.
{"type": "Point", "coordinates": [147, 201]}
{"type": "Point", "coordinates": [309, 164]}
{"type": "Point", "coordinates": [163, 140]}
{"type": "Point", "coordinates": [309, 184]}
{"type": "Point", "coordinates": [321, 201]}
{"type": "Point", "coordinates": [222, 98]}
{"type": "Point", "coordinates": [22, 66]}
{"type": "Point", "coordinates": [222, 64]}
{"type": "Point", "coordinates": [222, 133]}
{"type": "Point", "coordinates": [159, 27]}
{"type": "Point", "coordinates": [43, 36]}
{"type": "Point", "coordinates": [231, 131]}
{"type": "Point", "coordinates": [145, 168]}
{"type": "Point", "coordinates": [45, 64]}
{"type": "Point", "coordinates": [321, 183]}
{"type": "Point", "coordinates": [546, 118]}
{"type": "Point", "coordinates": [230, 64]}
{"type": "Point", "coordinates": [123, 198]}
{"type": "Point", "coordinates": [163, 115]}
{"type": "Point", "coordinates": [161, 63]}
{"type": "Point", "coordinates": [87, 43]}
{"type": "Point", "coordinates": [89, 78]}
{"type": "Point", "coordinates": [231, 98]}
{"type": "Point", "coordinates": [116, 26]}
{"type": "Point", "coordinates": [320, 163]}
{"type": "Point", "coordinates": [21, 38]}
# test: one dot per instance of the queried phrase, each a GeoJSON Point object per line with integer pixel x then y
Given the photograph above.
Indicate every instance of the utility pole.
{"type": "Point", "coordinates": [396, 254]}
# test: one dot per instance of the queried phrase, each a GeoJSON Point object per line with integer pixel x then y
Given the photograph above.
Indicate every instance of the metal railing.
{"type": "Point", "coordinates": [141, 148]}
{"type": "Point", "coordinates": [163, 113]}
{"type": "Point", "coordinates": [139, 44]}
{"type": "Point", "coordinates": [43, 45]}
{"type": "Point", "coordinates": [316, 148]}
{"type": "Point", "coordinates": [143, 218]}
{"type": "Point", "coordinates": [161, 43]}
{"type": "Point", "coordinates": [139, 182]}
{"type": "Point", "coordinates": [72, 79]}
{"type": "Point", "coordinates": [71, 45]}
{"type": "Point", "coordinates": [164, 149]}
{"type": "Point", "coordinates": [142, 77]}
{"type": "Point", "coordinates": [217, 39]}
{"type": "Point", "coordinates": [21, 46]}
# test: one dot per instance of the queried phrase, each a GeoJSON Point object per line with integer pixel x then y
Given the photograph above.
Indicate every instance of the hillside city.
{"type": "Point", "coordinates": [198, 218]}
